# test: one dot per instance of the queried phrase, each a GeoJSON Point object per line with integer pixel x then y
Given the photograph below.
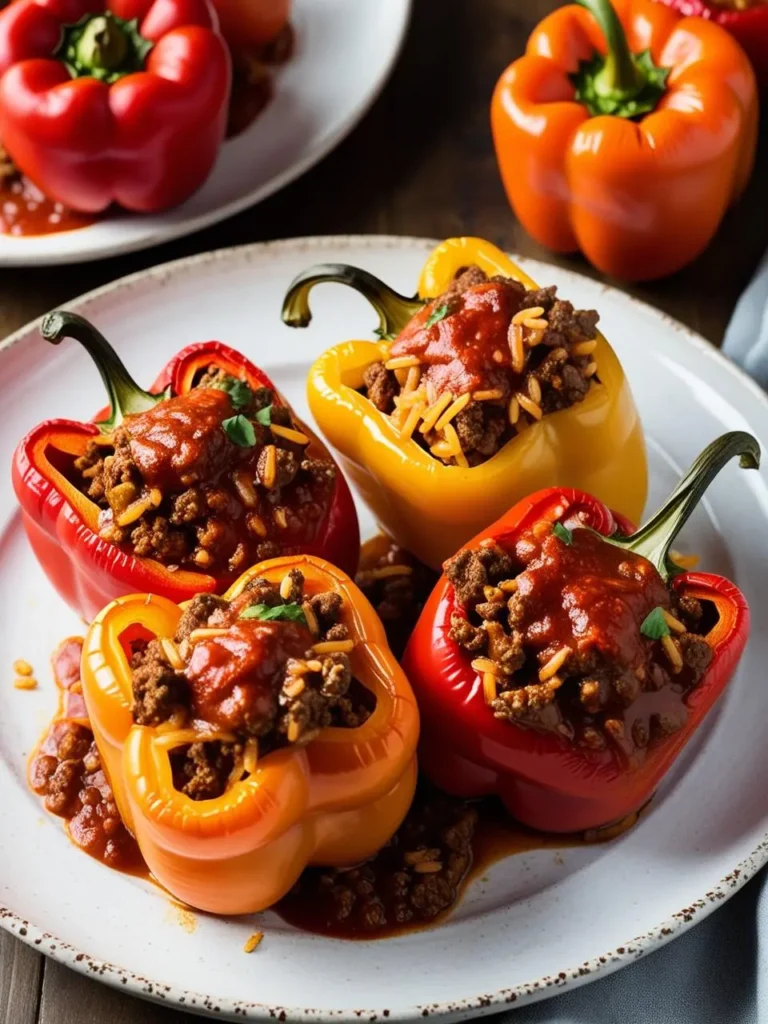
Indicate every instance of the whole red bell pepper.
{"type": "Point", "coordinates": [545, 780]}
{"type": "Point", "coordinates": [747, 24]}
{"type": "Point", "coordinates": [62, 522]}
{"type": "Point", "coordinates": [113, 101]}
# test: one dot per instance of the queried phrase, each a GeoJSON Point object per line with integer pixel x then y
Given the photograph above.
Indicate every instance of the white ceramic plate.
{"type": "Point", "coordinates": [345, 50]}
{"type": "Point", "coordinates": [540, 921]}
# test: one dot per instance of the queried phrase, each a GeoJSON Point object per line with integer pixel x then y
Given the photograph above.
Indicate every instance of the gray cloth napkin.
{"type": "Point", "coordinates": [717, 973]}
{"type": "Point", "coordinates": [714, 974]}
{"type": "Point", "coordinates": [746, 340]}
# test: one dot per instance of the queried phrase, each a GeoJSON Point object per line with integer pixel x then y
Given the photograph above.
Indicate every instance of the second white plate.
{"type": "Point", "coordinates": [344, 52]}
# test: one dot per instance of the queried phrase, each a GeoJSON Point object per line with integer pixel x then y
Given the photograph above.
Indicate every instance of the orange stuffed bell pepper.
{"type": "Point", "coordinates": [249, 735]}
{"type": "Point", "coordinates": [626, 131]}
{"type": "Point", "coordinates": [482, 389]}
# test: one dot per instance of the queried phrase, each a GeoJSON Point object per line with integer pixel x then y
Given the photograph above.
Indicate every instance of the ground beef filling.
{"type": "Point", "coordinates": [67, 773]}
{"type": "Point", "coordinates": [397, 585]}
{"type": "Point", "coordinates": [555, 627]}
{"type": "Point", "coordinates": [481, 363]}
{"type": "Point", "coordinates": [415, 877]}
{"type": "Point", "coordinates": [182, 483]}
{"type": "Point", "coordinates": [246, 676]}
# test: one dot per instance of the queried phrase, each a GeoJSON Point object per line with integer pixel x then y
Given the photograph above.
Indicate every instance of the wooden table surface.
{"type": "Point", "coordinates": [433, 174]}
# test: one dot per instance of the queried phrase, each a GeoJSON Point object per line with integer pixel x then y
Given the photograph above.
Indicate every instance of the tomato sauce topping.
{"type": "Point", "coordinates": [466, 349]}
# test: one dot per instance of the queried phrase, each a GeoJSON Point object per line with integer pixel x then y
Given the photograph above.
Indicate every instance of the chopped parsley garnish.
{"type": "Point", "coordinates": [239, 430]}
{"type": "Point", "coordinates": [563, 533]}
{"type": "Point", "coordinates": [264, 416]}
{"type": "Point", "coordinates": [655, 625]}
{"type": "Point", "coordinates": [437, 315]}
{"type": "Point", "coordinates": [280, 613]}
{"type": "Point", "coordinates": [239, 392]}
{"type": "Point", "coordinates": [384, 335]}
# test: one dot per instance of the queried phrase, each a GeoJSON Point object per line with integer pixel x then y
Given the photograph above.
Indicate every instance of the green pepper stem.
{"type": "Point", "coordinates": [125, 396]}
{"type": "Point", "coordinates": [103, 44]}
{"type": "Point", "coordinates": [620, 77]}
{"type": "Point", "coordinates": [654, 540]}
{"type": "Point", "coordinates": [394, 310]}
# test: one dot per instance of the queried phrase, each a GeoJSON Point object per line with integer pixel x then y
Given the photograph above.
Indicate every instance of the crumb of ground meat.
{"type": "Point", "coordinates": [572, 324]}
{"type": "Point", "coordinates": [470, 426]}
{"type": "Point", "coordinates": [197, 614]}
{"type": "Point", "coordinates": [505, 649]}
{"type": "Point", "coordinates": [471, 638]}
{"type": "Point", "coordinates": [562, 383]}
{"type": "Point", "coordinates": [262, 397]}
{"type": "Point", "coordinates": [159, 690]}
{"type": "Point", "coordinates": [496, 561]}
{"type": "Point", "coordinates": [203, 770]}
{"type": "Point", "coordinates": [307, 712]}
{"type": "Point", "coordinates": [468, 575]}
{"type": "Point", "coordinates": [492, 609]}
{"type": "Point", "coordinates": [337, 674]}
{"type": "Point", "coordinates": [337, 632]}
{"type": "Point", "coordinates": [156, 538]}
{"type": "Point", "coordinates": [515, 704]}
{"type": "Point", "coordinates": [544, 297]}
{"type": "Point", "coordinates": [188, 506]}
{"type": "Point", "coordinates": [321, 472]}
{"type": "Point", "coordinates": [91, 465]}
{"type": "Point", "coordinates": [381, 386]}
{"type": "Point", "coordinates": [464, 279]}
{"type": "Point", "coordinates": [74, 743]}
{"type": "Point", "coordinates": [690, 611]}
{"type": "Point", "coordinates": [266, 550]}
{"type": "Point", "coordinates": [281, 415]}
{"type": "Point", "coordinates": [286, 467]}
{"type": "Point", "coordinates": [327, 609]}
{"type": "Point", "coordinates": [212, 377]}
{"type": "Point", "coordinates": [263, 591]}
{"type": "Point", "coordinates": [295, 587]}
{"type": "Point", "coordinates": [697, 654]}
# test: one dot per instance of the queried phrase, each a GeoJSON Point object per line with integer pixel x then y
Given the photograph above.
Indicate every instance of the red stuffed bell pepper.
{"type": "Point", "coordinates": [746, 20]}
{"type": "Point", "coordinates": [113, 101]}
{"type": "Point", "coordinates": [179, 490]}
{"type": "Point", "coordinates": [563, 662]}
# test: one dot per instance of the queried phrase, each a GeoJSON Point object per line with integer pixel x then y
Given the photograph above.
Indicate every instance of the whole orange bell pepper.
{"type": "Point", "coordinates": [334, 802]}
{"type": "Point", "coordinates": [626, 131]}
{"type": "Point", "coordinates": [429, 508]}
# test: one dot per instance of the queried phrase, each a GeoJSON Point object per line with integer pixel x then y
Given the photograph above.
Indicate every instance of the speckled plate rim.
{"type": "Point", "coordinates": [537, 989]}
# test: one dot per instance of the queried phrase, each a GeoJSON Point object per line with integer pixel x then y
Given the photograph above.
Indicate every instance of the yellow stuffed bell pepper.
{"type": "Point", "coordinates": [482, 389]}
{"type": "Point", "coordinates": [333, 796]}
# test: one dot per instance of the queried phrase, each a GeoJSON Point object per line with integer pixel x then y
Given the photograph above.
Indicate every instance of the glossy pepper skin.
{"type": "Point", "coordinates": [748, 27]}
{"type": "Point", "coordinates": [335, 801]}
{"type": "Point", "coordinates": [641, 195]}
{"type": "Point", "coordinates": [118, 126]}
{"type": "Point", "coordinates": [431, 509]}
{"type": "Point", "coordinates": [62, 523]}
{"type": "Point", "coordinates": [545, 781]}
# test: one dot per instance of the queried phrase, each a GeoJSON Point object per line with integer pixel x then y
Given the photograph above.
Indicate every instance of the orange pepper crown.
{"type": "Point", "coordinates": [625, 131]}
{"type": "Point", "coordinates": [596, 445]}
{"type": "Point", "coordinates": [335, 801]}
